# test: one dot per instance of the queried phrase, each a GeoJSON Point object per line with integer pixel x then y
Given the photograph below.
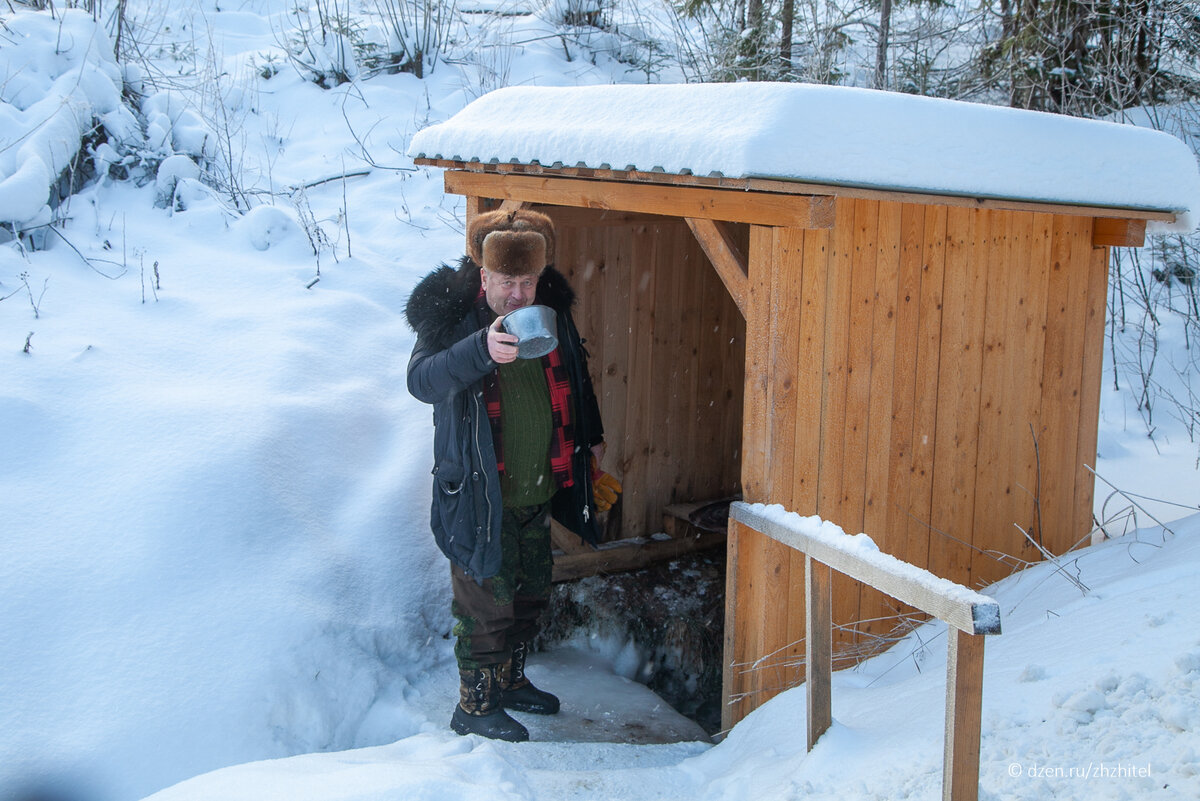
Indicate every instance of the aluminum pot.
{"type": "Point", "coordinates": [534, 327]}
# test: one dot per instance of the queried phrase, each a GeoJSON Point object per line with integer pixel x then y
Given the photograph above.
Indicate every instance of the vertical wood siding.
{"type": "Point", "coordinates": [928, 375]}
{"type": "Point", "coordinates": [667, 357]}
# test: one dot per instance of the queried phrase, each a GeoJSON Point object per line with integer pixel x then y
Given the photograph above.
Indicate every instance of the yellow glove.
{"type": "Point", "coordinates": [605, 488]}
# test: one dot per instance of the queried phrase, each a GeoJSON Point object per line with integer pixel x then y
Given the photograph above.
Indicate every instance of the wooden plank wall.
{"type": "Point", "coordinates": [927, 374]}
{"type": "Point", "coordinates": [666, 346]}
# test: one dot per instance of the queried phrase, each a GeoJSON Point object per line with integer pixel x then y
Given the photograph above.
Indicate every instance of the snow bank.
{"type": "Point", "coordinates": [215, 532]}
{"type": "Point", "coordinates": [1090, 694]}
{"type": "Point", "coordinates": [57, 78]}
{"type": "Point", "coordinates": [827, 135]}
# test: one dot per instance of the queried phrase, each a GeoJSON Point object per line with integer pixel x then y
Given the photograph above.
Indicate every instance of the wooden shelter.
{"type": "Point", "coordinates": [919, 366]}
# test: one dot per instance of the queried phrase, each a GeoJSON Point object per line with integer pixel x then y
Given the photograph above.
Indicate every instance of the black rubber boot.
{"type": "Point", "coordinates": [479, 710]}
{"type": "Point", "coordinates": [518, 692]}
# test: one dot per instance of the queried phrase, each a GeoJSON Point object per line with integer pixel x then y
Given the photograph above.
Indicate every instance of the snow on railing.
{"type": "Point", "coordinates": [970, 614]}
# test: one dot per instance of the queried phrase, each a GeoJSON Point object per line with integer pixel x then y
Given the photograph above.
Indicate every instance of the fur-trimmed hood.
{"type": "Point", "coordinates": [442, 299]}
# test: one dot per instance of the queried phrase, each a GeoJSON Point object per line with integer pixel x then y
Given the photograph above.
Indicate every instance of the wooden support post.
{"type": "Point", "coordinates": [729, 668]}
{"type": "Point", "coordinates": [970, 616]}
{"type": "Point", "coordinates": [818, 639]}
{"type": "Point", "coordinates": [728, 260]}
{"type": "Point", "coordinates": [475, 206]}
{"type": "Point", "coordinates": [964, 709]}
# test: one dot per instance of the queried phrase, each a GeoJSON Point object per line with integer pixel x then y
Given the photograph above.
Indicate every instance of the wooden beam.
{"type": "Point", "coordinates": [806, 188]}
{"type": "Point", "coordinates": [618, 557]}
{"type": "Point", "coordinates": [964, 709]}
{"type": "Point", "coordinates": [818, 638]}
{"type": "Point", "coordinates": [590, 218]}
{"type": "Point", "coordinates": [1118, 233]}
{"type": "Point", "coordinates": [794, 211]}
{"type": "Point", "coordinates": [730, 263]}
{"type": "Point", "coordinates": [566, 540]}
{"type": "Point", "coordinates": [953, 603]}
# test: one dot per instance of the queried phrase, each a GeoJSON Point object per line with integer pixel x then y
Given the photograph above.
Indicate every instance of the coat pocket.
{"type": "Point", "coordinates": [449, 478]}
{"type": "Point", "coordinates": [453, 518]}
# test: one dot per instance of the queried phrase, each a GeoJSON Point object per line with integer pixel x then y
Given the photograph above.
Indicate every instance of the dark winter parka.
{"type": "Point", "coordinates": [447, 369]}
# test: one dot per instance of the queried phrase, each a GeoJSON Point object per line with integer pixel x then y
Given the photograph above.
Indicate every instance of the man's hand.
{"type": "Point", "coordinates": [502, 346]}
{"type": "Point", "coordinates": [605, 488]}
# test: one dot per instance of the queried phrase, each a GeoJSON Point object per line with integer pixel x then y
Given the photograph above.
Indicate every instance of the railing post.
{"type": "Point", "coordinates": [964, 708]}
{"type": "Point", "coordinates": [818, 639]}
{"type": "Point", "coordinates": [968, 614]}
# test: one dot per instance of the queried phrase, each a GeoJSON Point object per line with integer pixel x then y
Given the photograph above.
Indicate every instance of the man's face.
{"type": "Point", "coordinates": [507, 293]}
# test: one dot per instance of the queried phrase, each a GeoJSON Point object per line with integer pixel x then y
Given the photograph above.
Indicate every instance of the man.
{"type": "Point", "coordinates": [514, 440]}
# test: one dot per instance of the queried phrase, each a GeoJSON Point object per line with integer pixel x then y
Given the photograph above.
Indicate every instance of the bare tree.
{"type": "Point", "coordinates": [1090, 57]}
{"type": "Point", "coordinates": [787, 19]}
{"type": "Point", "coordinates": [885, 24]}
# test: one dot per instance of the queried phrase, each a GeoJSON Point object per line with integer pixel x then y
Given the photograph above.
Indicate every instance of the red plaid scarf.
{"type": "Point", "coordinates": [562, 439]}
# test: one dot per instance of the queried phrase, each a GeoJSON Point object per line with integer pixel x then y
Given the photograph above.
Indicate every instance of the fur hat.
{"type": "Point", "coordinates": [518, 242]}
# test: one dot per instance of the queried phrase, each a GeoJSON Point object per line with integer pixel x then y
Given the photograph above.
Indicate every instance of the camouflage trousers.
{"type": "Point", "coordinates": [494, 616]}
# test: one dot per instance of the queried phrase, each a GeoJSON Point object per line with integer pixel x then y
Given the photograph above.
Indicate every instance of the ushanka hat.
{"type": "Point", "coordinates": [517, 242]}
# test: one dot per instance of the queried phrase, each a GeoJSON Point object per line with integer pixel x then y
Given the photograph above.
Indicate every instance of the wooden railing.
{"type": "Point", "coordinates": [969, 615]}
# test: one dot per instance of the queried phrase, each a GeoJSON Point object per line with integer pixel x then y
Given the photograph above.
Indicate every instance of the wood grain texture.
{"type": "Point", "coordinates": [964, 710]}
{"type": "Point", "coordinates": [818, 637]}
{"type": "Point", "coordinates": [1119, 233]}
{"type": "Point", "coordinates": [760, 208]}
{"type": "Point", "coordinates": [1089, 398]}
{"type": "Point", "coordinates": [722, 251]}
{"type": "Point", "coordinates": [771, 185]}
{"type": "Point", "coordinates": [956, 447]}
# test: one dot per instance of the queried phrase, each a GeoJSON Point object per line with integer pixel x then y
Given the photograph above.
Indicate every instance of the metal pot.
{"type": "Point", "coordinates": [535, 328]}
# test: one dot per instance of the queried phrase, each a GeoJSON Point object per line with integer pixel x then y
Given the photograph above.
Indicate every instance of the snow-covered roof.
{"type": "Point", "coordinates": [826, 135]}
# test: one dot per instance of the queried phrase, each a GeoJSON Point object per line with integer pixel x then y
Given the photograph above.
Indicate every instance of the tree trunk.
{"type": "Point", "coordinates": [1008, 26]}
{"type": "Point", "coordinates": [885, 24]}
{"type": "Point", "coordinates": [787, 18]}
{"type": "Point", "coordinates": [754, 42]}
{"type": "Point", "coordinates": [754, 14]}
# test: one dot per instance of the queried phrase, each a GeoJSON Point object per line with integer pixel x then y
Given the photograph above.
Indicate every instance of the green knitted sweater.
{"type": "Point", "coordinates": [525, 421]}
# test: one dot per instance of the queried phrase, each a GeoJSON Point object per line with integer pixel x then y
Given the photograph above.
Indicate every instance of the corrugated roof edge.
{"type": "Point", "coordinates": [1154, 216]}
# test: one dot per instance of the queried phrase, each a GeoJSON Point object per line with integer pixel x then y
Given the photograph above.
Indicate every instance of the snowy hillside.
{"type": "Point", "coordinates": [1092, 692]}
{"type": "Point", "coordinates": [215, 547]}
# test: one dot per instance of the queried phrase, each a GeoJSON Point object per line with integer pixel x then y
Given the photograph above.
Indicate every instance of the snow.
{"type": "Point", "coordinates": [50, 94]}
{"type": "Point", "coordinates": [216, 570]}
{"type": "Point", "coordinates": [1093, 691]}
{"type": "Point", "coordinates": [860, 546]}
{"type": "Point", "coordinates": [827, 135]}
